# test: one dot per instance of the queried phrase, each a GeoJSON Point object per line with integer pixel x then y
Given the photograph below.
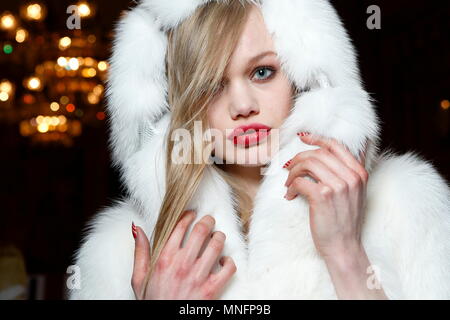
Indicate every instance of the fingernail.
{"type": "Point", "coordinates": [302, 134]}
{"type": "Point", "coordinates": [133, 230]}
{"type": "Point", "coordinates": [287, 164]}
{"type": "Point", "coordinates": [289, 198]}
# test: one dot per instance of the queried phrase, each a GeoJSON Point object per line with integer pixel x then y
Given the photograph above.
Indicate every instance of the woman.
{"type": "Point", "coordinates": [316, 227]}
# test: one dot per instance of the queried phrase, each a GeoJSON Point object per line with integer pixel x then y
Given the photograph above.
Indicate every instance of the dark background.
{"type": "Point", "coordinates": [48, 192]}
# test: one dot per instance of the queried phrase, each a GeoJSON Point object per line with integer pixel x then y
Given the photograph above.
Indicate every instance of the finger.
{"type": "Point", "coordinates": [209, 256]}
{"type": "Point", "coordinates": [319, 171]}
{"type": "Point", "coordinates": [330, 160]}
{"type": "Point", "coordinates": [302, 186]}
{"type": "Point", "coordinates": [200, 232]}
{"type": "Point", "coordinates": [218, 280]}
{"type": "Point", "coordinates": [174, 242]}
{"type": "Point", "coordinates": [338, 149]}
{"type": "Point", "coordinates": [141, 260]}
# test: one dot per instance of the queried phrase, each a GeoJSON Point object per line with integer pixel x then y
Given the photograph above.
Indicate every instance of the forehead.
{"type": "Point", "coordinates": [254, 40]}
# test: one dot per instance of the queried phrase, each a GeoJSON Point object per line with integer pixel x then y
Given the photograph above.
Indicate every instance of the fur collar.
{"type": "Point", "coordinates": [279, 260]}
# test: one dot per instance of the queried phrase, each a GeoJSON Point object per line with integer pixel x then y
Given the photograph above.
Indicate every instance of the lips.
{"type": "Point", "coordinates": [240, 135]}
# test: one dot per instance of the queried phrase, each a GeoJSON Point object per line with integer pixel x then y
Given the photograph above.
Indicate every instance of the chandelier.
{"type": "Point", "coordinates": [61, 84]}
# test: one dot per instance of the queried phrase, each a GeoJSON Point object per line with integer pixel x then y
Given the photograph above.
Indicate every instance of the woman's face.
{"type": "Point", "coordinates": [254, 91]}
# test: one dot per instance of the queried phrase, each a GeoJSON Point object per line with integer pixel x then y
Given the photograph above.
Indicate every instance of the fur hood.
{"type": "Point", "coordinates": [406, 231]}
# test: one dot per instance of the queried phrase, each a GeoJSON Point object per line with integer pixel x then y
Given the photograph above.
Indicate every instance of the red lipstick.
{"type": "Point", "coordinates": [257, 132]}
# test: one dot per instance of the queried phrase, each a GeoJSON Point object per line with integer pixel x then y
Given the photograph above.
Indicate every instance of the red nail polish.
{"type": "Point", "coordinates": [133, 230]}
{"type": "Point", "coordinates": [287, 164]}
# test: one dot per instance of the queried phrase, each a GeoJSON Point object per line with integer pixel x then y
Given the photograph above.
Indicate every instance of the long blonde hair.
{"type": "Point", "coordinates": [198, 52]}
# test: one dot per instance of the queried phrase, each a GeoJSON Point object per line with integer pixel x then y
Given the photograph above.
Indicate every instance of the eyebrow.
{"type": "Point", "coordinates": [259, 56]}
{"type": "Point", "coordinates": [252, 60]}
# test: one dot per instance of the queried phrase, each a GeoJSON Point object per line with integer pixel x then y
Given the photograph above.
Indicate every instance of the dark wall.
{"type": "Point", "coordinates": [405, 67]}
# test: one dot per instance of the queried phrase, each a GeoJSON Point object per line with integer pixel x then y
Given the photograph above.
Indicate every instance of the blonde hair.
{"type": "Point", "coordinates": [198, 52]}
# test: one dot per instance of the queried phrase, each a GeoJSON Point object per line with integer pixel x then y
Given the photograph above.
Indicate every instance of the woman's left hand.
{"type": "Point", "coordinates": [336, 200]}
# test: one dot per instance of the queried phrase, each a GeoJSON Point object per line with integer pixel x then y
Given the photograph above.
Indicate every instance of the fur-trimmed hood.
{"type": "Point", "coordinates": [407, 228]}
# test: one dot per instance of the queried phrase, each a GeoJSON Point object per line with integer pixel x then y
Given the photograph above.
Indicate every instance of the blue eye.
{"type": "Point", "coordinates": [262, 72]}
{"type": "Point", "coordinates": [265, 73]}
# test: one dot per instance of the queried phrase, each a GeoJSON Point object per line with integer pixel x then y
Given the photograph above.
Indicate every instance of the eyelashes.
{"type": "Point", "coordinates": [270, 68]}
{"type": "Point", "coordinates": [272, 74]}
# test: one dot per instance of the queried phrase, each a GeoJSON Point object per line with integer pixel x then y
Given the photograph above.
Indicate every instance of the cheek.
{"type": "Point", "coordinates": [213, 115]}
{"type": "Point", "coordinates": [216, 115]}
{"type": "Point", "coordinates": [279, 99]}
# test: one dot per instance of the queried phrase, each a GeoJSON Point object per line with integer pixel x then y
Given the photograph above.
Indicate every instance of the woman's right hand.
{"type": "Point", "coordinates": [179, 272]}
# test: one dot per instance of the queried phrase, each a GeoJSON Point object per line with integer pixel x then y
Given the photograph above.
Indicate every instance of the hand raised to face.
{"type": "Point", "coordinates": [337, 197]}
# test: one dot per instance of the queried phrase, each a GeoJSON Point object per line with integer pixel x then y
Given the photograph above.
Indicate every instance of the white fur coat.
{"type": "Point", "coordinates": [406, 230]}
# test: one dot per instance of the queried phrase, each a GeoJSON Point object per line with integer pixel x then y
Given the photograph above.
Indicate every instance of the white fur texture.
{"type": "Point", "coordinates": [406, 230]}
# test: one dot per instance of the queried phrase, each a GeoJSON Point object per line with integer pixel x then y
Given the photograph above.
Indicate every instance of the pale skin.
{"type": "Point", "coordinates": [336, 200]}
{"type": "Point", "coordinates": [336, 210]}
{"type": "Point", "coordinates": [180, 273]}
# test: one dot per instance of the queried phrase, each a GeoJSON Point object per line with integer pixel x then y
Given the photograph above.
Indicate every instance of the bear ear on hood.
{"type": "Point", "coordinates": [313, 47]}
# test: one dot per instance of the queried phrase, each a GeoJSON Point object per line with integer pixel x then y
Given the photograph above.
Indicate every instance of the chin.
{"type": "Point", "coordinates": [250, 157]}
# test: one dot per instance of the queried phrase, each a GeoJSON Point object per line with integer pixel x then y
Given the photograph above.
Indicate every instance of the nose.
{"type": "Point", "coordinates": [242, 101]}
